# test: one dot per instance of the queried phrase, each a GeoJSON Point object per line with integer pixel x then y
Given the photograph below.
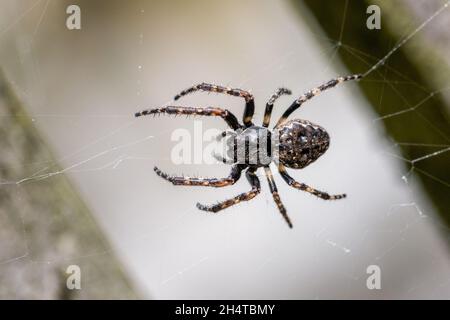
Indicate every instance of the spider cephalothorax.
{"type": "Point", "coordinates": [294, 144]}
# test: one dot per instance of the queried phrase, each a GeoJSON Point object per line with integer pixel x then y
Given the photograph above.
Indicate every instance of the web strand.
{"type": "Point", "coordinates": [405, 40]}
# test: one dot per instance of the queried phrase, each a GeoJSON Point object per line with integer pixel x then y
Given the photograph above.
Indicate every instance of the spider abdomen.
{"type": "Point", "coordinates": [301, 142]}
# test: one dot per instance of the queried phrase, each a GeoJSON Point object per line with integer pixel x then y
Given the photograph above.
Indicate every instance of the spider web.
{"type": "Point", "coordinates": [169, 249]}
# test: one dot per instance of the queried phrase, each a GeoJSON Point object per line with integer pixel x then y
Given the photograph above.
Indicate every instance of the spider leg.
{"type": "Point", "coordinates": [246, 196]}
{"type": "Point", "coordinates": [301, 186]}
{"type": "Point", "coordinates": [276, 196]}
{"type": "Point", "coordinates": [234, 176]}
{"type": "Point", "coordinates": [270, 103]}
{"type": "Point", "coordinates": [226, 115]}
{"type": "Point", "coordinates": [249, 101]}
{"type": "Point", "coordinates": [314, 92]}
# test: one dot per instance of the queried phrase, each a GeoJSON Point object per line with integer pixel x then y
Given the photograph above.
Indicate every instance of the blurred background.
{"type": "Point", "coordinates": [77, 185]}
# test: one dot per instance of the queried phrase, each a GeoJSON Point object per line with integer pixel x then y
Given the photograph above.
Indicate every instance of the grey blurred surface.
{"type": "Point", "coordinates": [45, 228]}
{"type": "Point", "coordinates": [83, 87]}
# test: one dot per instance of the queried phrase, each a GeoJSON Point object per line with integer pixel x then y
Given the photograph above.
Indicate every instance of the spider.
{"type": "Point", "coordinates": [299, 143]}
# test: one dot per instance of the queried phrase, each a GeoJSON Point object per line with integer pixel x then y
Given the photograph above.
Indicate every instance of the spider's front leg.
{"type": "Point", "coordinates": [256, 189]}
{"type": "Point", "coordinates": [314, 92]}
{"type": "Point", "coordinates": [249, 100]}
{"type": "Point", "coordinates": [276, 196]}
{"type": "Point", "coordinates": [270, 103]}
{"type": "Point", "coordinates": [226, 115]}
{"type": "Point", "coordinates": [301, 186]}
{"type": "Point", "coordinates": [234, 176]}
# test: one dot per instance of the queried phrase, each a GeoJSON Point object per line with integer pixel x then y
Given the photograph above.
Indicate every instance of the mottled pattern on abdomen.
{"type": "Point", "coordinates": [301, 142]}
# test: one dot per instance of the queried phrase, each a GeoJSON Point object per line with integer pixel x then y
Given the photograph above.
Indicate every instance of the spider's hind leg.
{"type": "Point", "coordinates": [301, 186]}
{"type": "Point", "coordinates": [314, 92]}
{"type": "Point", "coordinates": [234, 176]}
{"type": "Point", "coordinates": [276, 196]}
{"type": "Point", "coordinates": [246, 196]}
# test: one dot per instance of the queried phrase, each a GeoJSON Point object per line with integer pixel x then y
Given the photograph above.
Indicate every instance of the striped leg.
{"type": "Point", "coordinates": [226, 115]}
{"type": "Point", "coordinates": [270, 103]}
{"type": "Point", "coordinates": [276, 196]}
{"type": "Point", "coordinates": [256, 188]}
{"type": "Point", "coordinates": [249, 101]}
{"type": "Point", "coordinates": [314, 92]}
{"type": "Point", "coordinates": [205, 182]}
{"type": "Point", "coordinates": [301, 186]}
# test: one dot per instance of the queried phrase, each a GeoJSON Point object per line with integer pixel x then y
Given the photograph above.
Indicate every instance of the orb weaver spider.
{"type": "Point", "coordinates": [300, 142]}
